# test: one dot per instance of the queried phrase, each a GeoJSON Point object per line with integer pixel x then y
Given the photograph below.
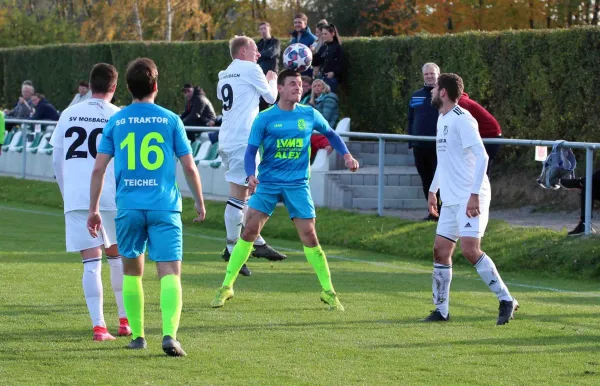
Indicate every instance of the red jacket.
{"type": "Point", "coordinates": [318, 142]}
{"type": "Point", "coordinates": [488, 125]}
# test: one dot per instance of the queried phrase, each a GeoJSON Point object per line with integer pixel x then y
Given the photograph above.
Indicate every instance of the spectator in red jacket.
{"type": "Point", "coordinates": [318, 142]}
{"type": "Point", "coordinates": [488, 125]}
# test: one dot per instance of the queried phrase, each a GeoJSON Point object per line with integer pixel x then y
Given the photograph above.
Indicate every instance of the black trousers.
{"type": "Point", "coordinates": [492, 151]}
{"type": "Point", "coordinates": [595, 192]}
{"type": "Point", "coordinates": [426, 162]}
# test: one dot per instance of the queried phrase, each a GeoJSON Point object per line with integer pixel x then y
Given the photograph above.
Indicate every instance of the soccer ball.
{"type": "Point", "coordinates": [297, 57]}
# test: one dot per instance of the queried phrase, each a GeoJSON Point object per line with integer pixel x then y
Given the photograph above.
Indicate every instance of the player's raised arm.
{"type": "Point", "coordinates": [321, 125]}
{"type": "Point", "coordinates": [266, 85]}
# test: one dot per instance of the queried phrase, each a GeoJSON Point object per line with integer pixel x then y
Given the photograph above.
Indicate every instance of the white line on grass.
{"type": "Point", "coordinates": [337, 257]}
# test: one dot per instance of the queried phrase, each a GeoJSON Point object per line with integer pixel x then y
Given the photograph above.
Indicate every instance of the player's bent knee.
{"type": "Point", "coordinates": [112, 251]}
{"type": "Point", "coordinates": [470, 248]}
{"type": "Point", "coordinates": [165, 268]}
{"type": "Point", "coordinates": [442, 251]}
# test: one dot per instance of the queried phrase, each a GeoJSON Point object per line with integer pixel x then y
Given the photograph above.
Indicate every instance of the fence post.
{"type": "Point", "coordinates": [24, 136]}
{"type": "Point", "coordinates": [589, 166]}
{"type": "Point", "coordinates": [380, 180]}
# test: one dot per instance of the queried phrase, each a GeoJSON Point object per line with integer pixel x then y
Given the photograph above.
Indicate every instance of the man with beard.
{"type": "Point", "coordinates": [465, 189]}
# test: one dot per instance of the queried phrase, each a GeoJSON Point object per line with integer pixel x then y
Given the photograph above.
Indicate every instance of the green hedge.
{"type": "Point", "coordinates": [539, 84]}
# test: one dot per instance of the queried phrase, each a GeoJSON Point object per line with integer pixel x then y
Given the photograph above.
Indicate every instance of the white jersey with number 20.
{"type": "Point", "coordinates": [78, 133]}
{"type": "Point", "coordinates": [240, 87]}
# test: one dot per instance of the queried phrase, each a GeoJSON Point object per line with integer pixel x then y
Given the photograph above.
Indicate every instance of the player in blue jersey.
{"type": "Point", "coordinates": [145, 140]}
{"type": "Point", "coordinates": [283, 131]}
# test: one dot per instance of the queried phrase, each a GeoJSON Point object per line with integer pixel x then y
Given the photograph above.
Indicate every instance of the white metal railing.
{"type": "Point", "coordinates": [381, 138]}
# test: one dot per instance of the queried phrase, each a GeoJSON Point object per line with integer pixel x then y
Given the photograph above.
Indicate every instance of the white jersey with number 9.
{"type": "Point", "coordinates": [240, 87]}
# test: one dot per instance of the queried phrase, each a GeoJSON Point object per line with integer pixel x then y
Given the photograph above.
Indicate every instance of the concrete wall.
{"type": "Point", "coordinates": [39, 166]}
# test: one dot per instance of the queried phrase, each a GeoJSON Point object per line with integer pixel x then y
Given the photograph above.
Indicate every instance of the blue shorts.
{"type": "Point", "coordinates": [160, 229]}
{"type": "Point", "coordinates": [297, 200]}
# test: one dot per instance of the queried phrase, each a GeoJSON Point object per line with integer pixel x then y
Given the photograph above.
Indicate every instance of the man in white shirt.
{"type": "Point", "coordinates": [465, 192]}
{"type": "Point", "coordinates": [75, 141]}
{"type": "Point", "coordinates": [83, 93]}
{"type": "Point", "coordinates": [240, 87]}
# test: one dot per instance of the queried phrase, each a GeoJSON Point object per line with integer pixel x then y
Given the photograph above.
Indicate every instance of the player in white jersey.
{"type": "Point", "coordinates": [240, 87]}
{"type": "Point", "coordinates": [75, 140]}
{"type": "Point", "coordinates": [465, 192]}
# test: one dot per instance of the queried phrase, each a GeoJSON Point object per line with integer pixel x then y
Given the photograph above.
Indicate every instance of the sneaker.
{"type": "Point", "coordinates": [224, 294]}
{"type": "Point", "coordinates": [101, 334]}
{"type": "Point", "coordinates": [436, 316]}
{"type": "Point", "coordinates": [331, 299]}
{"type": "Point", "coordinates": [137, 344]}
{"type": "Point", "coordinates": [124, 329]}
{"type": "Point", "coordinates": [506, 311]}
{"type": "Point", "coordinates": [172, 348]}
{"type": "Point", "coordinates": [225, 255]}
{"type": "Point", "coordinates": [571, 183]}
{"type": "Point", "coordinates": [579, 230]}
{"type": "Point", "coordinates": [245, 271]}
{"type": "Point", "coordinates": [267, 252]}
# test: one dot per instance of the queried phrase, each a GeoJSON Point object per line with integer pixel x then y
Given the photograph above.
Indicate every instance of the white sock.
{"type": "Point", "coordinates": [233, 221]}
{"type": "Point", "coordinates": [92, 289]}
{"type": "Point", "coordinates": [259, 241]}
{"type": "Point", "coordinates": [489, 274]}
{"type": "Point", "coordinates": [116, 281]}
{"type": "Point", "coordinates": [442, 277]}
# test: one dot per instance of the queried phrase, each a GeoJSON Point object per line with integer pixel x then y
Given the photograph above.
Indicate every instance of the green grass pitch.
{"type": "Point", "coordinates": [276, 331]}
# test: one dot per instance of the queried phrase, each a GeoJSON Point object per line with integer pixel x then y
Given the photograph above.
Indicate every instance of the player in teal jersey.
{"type": "Point", "coordinates": [283, 131]}
{"type": "Point", "coordinates": [145, 140]}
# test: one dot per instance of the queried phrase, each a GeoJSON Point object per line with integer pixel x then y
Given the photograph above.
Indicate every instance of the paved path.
{"type": "Point", "coordinates": [525, 216]}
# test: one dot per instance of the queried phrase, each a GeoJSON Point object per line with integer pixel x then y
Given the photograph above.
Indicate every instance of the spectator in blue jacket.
{"type": "Point", "coordinates": [326, 102]}
{"type": "Point", "coordinates": [302, 34]}
{"type": "Point", "coordinates": [422, 120]}
{"type": "Point", "coordinates": [44, 111]}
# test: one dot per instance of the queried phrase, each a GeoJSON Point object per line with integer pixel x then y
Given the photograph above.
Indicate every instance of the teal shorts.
{"type": "Point", "coordinates": [297, 200]}
{"type": "Point", "coordinates": [160, 230]}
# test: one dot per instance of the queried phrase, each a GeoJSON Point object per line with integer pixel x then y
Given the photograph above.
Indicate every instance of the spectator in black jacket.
{"type": "Point", "coordinates": [422, 120]}
{"type": "Point", "coordinates": [198, 110]}
{"type": "Point", "coordinates": [328, 62]}
{"type": "Point", "coordinates": [269, 49]}
{"type": "Point", "coordinates": [44, 111]}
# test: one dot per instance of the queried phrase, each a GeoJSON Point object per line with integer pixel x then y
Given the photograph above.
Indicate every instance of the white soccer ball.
{"type": "Point", "coordinates": [297, 57]}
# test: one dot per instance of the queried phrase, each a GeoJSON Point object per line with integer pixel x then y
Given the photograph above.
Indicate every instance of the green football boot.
{"type": "Point", "coordinates": [331, 299]}
{"type": "Point", "coordinates": [224, 294]}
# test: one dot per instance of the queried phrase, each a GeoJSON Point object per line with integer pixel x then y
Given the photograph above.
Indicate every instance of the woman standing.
{"type": "Point", "coordinates": [328, 61]}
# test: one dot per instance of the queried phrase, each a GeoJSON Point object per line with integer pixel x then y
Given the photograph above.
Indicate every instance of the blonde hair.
{"type": "Point", "coordinates": [326, 89]}
{"type": "Point", "coordinates": [237, 43]}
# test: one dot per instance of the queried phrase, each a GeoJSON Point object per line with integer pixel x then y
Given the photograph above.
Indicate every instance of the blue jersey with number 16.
{"type": "Point", "coordinates": [145, 140]}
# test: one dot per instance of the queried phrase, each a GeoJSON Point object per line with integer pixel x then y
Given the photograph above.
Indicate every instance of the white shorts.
{"type": "Point", "coordinates": [78, 237]}
{"type": "Point", "coordinates": [233, 160]}
{"type": "Point", "coordinates": [454, 223]}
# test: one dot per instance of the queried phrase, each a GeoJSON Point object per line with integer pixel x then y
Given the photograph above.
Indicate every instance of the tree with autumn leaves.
{"type": "Point", "coordinates": [35, 22]}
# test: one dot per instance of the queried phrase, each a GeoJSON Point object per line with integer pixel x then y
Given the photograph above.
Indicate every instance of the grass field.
{"type": "Point", "coordinates": [277, 332]}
